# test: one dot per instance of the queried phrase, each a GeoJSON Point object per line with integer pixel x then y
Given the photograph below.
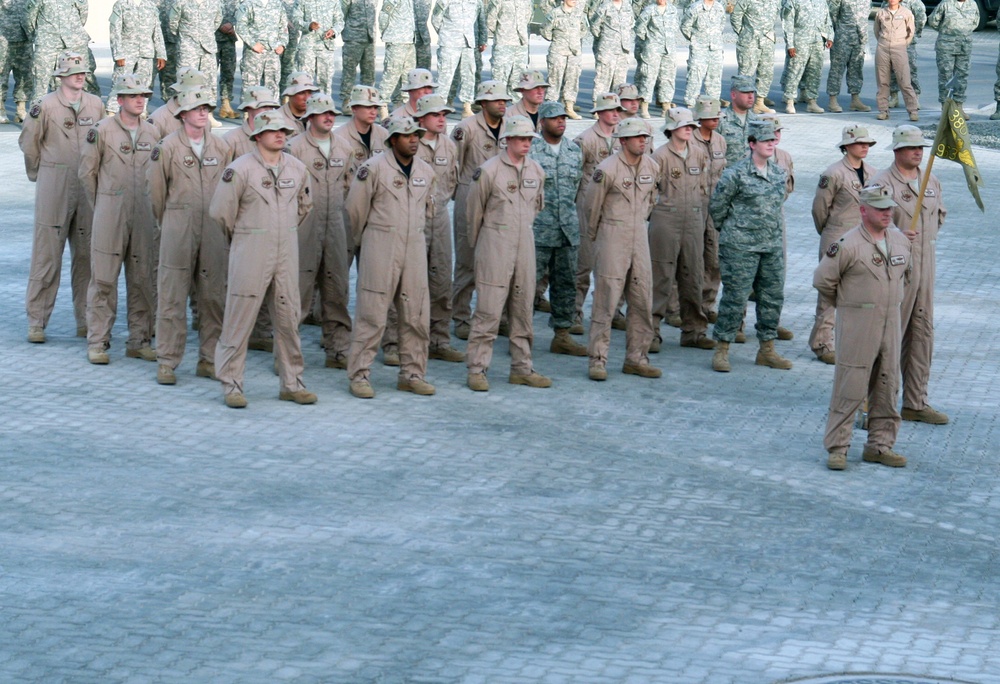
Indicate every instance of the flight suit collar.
{"type": "Point", "coordinates": [875, 261]}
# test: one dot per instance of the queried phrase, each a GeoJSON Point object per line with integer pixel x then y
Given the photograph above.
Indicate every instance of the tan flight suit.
{"type": "Point", "coordinates": [52, 140]}
{"type": "Point", "coordinates": [618, 202]}
{"type": "Point", "coordinates": [834, 212]}
{"type": "Point", "coordinates": [502, 205]}
{"type": "Point", "coordinates": [238, 140]}
{"type": "Point", "coordinates": [893, 33]}
{"type": "Point", "coordinates": [917, 310]}
{"type": "Point", "coordinates": [866, 287]}
{"type": "Point", "coordinates": [362, 153]}
{"type": "Point", "coordinates": [164, 119]}
{"type": "Point", "coordinates": [193, 247]}
{"type": "Point", "coordinates": [716, 149]}
{"type": "Point", "coordinates": [113, 174]}
{"type": "Point", "coordinates": [519, 109]}
{"type": "Point", "coordinates": [292, 120]}
{"type": "Point", "coordinates": [388, 215]}
{"type": "Point", "coordinates": [596, 148]}
{"type": "Point", "coordinates": [324, 243]}
{"type": "Point", "coordinates": [476, 144]}
{"type": "Point", "coordinates": [260, 211]}
{"type": "Point", "coordinates": [676, 237]}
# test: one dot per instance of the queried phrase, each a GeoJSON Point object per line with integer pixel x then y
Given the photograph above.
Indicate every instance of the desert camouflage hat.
{"type": "Point", "coordinates": [128, 84]}
{"type": "Point", "coordinates": [627, 91]}
{"type": "Point", "coordinates": [518, 127]}
{"type": "Point", "coordinates": [632, 127]}
{"type": "Point", "coordinates": [550, 110]}
{"type": "Point", "coordinates": [71, 63]}
{"type": "Point", "coordinates": [432, 104]}
{"type": "Point", "coordinates": [762, 131]}
{"type": "Point", "coordinates": [773, 118]}
{"type": "Point", "coordinates": [404, 125]}
{"type": "Point", "coordinates": [192, 100]}
{"type": "Point", "coordinates": [531, 79]}
{"type": "Point", "coordinates": [679, 117]}
{"type": "Point", "coordinates": [606, 101]}
{"type": "Point", "coordinates": [707, 108]}
{"type": "Point", "coordinates": [418, 78]}
{"type": "Point", "coordinates": [270, 121]}
{"type": "Point", "coordinates": [743, 84]}
{"type": "Point", "coordinates": [907, 136]}
{"type": "Point", "coordinates": [300, 82]}
{"type": "Point", "coordinates": [364, 96]}
{"type": "Point", "coordinates": [855, 133]}
{"type": "Point", "coordinates": [491, 90]}
{"type": "Point", "coordinates": [189, 78]}
{"type": "Point", "coordinates": [319, 103]}
{"type": "Point", "coordinates": [258, 97]}
{"type": "Point", "coordinates": [878, 196]}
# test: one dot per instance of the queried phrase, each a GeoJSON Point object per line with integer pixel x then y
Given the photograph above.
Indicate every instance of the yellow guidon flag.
{"type": "Point", "coordinates": [952, 143]}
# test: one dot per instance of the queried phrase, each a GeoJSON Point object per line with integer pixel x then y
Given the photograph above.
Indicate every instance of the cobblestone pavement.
{"type": "Point", "coordinates": [681, 530]}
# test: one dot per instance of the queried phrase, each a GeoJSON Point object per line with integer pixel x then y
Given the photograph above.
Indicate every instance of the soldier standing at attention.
{"type": "Point", "coordinates": [903, 178]}
{"type": "Point", "coordinates": [736, 119]}
{"type": "Point", "coordinates": [263, 28]}
{"type": "Point", "coordinates": [15, 58]}
{"type": "Point", "coordinates": [320, 22]}
{"type": "Point", "coordinates": [702, 25]}
{"type": "Point", "coordinates": [954, 20]}
{"type": "Point", "coordinates": [850, 44]}
{"type": "Point", "coordinates": [168, 75]}
{"type": "Point", "coordinates": [507, 21]}
{"type": "Point", "coordinates": [164, 118]}
{"type": "Point", "coordinates": [557, 226]}
{"type": "Point", "coordinates": [290, 54]}
{"type": "Point", "coordinates": [657, 28]}
{"type": "Point", "coordinates": [389, 203]}
{"type": "Point", "coordinates": [919, 21]}
{"type": "Point", "coordinates": [256, 99]}
{"type": "Point", "coordinates": [263, 258]}
{"type": "Point", "coordinates": [52, 140]}
{"type": "Point", "coordinates": [506, 195]}
{"type": "Point", "coordinates": [564, 28]}
{"type": "Point", "coordinates": [136, 43]}
{"type": "Point", "coordinates": [461, 28]}
{"type": "Point", "coordinates": [395, 22]}
{"type": "Point", "coordinates": [706, 112]}
{"type": "Point", "coordinates": [183, 173]}
{"type": "Point", "coordinates": [894, 30]}
{"type": "Point", "coordinates": [300, 89]}
{"type": "Point", "coordinates": [612, 24]}
{"type": "Point", "coordinates": [225, 41]}
{"type": "Point", "coordinates": [753, 21]}
{"type": "Point", "coordinates": [359, 46]}
{"type": "Point", "coordinates": [532, 87]}
{"type": "Point", "coordinates": [746, 209]}
{"type": "Point", "coordinates": [834, 211]}
{"type": "Point", "coordinates": [366, 138]}
{"type": "Point", "coordinates": [113, 174]}
{"type": "Point", "coordinates": [864, 271]}
{"type": "Point", "coordinates": [618, 202]}
{"type": "Point", "coordinates": [422, 39]}
{"type": "Point", "coordinates": [808, 32]}
{"type": "Point", "coordinates": [419, 82]}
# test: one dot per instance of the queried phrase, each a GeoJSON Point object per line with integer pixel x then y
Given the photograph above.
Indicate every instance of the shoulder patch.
{"type": "Point", "coordinates": [824, 181]}
{"type": "Point", "coordinates": [598, 176]}
{"type": "Point", "coordinates": [477, 173]}
{"type": "Point", "coordinates": [92, 135]}
{"type": "Point", "coordinates": [833, 249]}
{"type": "Point", "coordinates": [156, 154]}
{"type": "Point", "coordinates": [227, 175]}
{"type": "Point", "coordinates": [458, 133]}
{"type": "Point", "coordinates": [36, 109]}
{"type": "Point", "coordinates": [362, 173]}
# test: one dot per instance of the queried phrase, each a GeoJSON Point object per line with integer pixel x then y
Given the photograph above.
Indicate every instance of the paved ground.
{"type": "Point", "coordinates": [681, 530]}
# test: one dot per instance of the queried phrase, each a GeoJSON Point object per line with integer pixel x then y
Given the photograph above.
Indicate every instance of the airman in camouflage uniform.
{"type": "Point", "coordinates": [395, 21]}
{"type": "Point", "coordinates": [461, 29]}
{"type": "Point", "coordinates": [136, 41]}
{"type": "Point", "coordinates": [422, 37]}
{"type": "Point", "coordinates": [15, 56]}
{"type": "Point", "coordinates": [263, 27]}
{"type": "Point", "coordinates": [657, 28]}
{"type": "Point", "coordinates": [564, 27]}
{"type": "Point", "coordinates": [225, 41]}
{"type": "Point", "coordinates": [753, 21]}
{"type": "Point", "coordinates": [919, 12]}
{"type": "Point", "coordinates": [736, 119]}
{"type": "Point", "coordinates": [808, 32]}
{"type": "Point", "coordinates": [320, 22]}
{"type": "Point", "coordinates": [57, 27]}
{"type": "Point", "coordinates": [359, 45]}
{"type": "Point", "coordinates": [614, 39]}
{"type": "Point", "coordinates": [954, 20]}
{"type": "Point", "coordinates": [850, 45]}
{"type": "Point", "coordinates": [507, 21]}
{"type": "Point", "coordinates": [702, 25]}
{"type": "Point", "coordinates": [194, 22]}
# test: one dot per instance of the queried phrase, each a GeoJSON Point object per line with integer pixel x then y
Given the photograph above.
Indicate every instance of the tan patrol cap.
{"type": "Point", "coordinates": [300, 82]}
{"type": "Point", "coordinates": [319, 103]}
{"type": "Point", "coordinates": [258, 97]}
{"type": "Point", "coordinates": [270, 121]}
{"type": "Point", "coordinates": [71, 63]}
{"type": "Point", "coordinates": [418, 78]}
{"type": "Point", "coordinates": [878, 196]}
{"type": "Point", "coordinates": [632, 127]}
{"type": "Point", "coordinates": [679, 117]}
{"type": "Point", "coordinates": [491, 90]}
{"type": "Point", "coordinates": [606, 101]}
{"type": "Point", "coordinates": [192, 100]}
{"type": "Point", "coordinates": [518, 127]}
{"type": "Point", "coordinates": [403, 125]}
{"type": "Point", "coordinates": [364, 96]}
{"type": "Point", "coordinates": [530, 80]}
{"type": "Point", "coordinates": [432, 104]}
{"type": "Point", "coordinates": [907, 136]}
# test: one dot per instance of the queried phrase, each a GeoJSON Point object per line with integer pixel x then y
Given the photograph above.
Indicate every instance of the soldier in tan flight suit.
{"type": "Point", "coordinates": [706, 113]}
{"type": "Point", "coordinates": [164, 118]}
{"type": "Point", "coordinates": [618, 201]}
{"type": "Point", "coordinates": [863, 274]}
{"type": "Point", "coordinates": [365, 137]}
{"type": "Point", "coordinates": [419, 82]}
{"type": "Point", "coordinates": [324, 243]}
{"type": "Point", "coordinates": [835, 211]}
{"type": "Point", "coordinates": [532, 87]}
{"type": "Point", "coordinates": [113, 173]}
{"type": "Point", "coordinates": [507, 193]}
{"type": "Point", "coordinates": [263, 197]}
{"type": "Point", "coordinates": [52, 139]}
{"type": "Point", "coordinates": [256, 99]}
{"type": "Point", "coordinates": [183, 173]}
{"type": "Point", "coordinates": [300, 89]}
{"type": "Point", "coordinates": [903, 177]}
{"type": "Point", "coordinates": [389, 203]}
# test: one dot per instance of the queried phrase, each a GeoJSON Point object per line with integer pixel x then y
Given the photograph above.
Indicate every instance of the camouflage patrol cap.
{"type": "Point", "coordinates": [300, 82]}
{"type": "Point", "coordinates": [432, 104]}
{"type": "Point", "coordinates": [364, 96]}
{"type": "Point", "coordinates": [855, 133]}
{"type": "Point", "coordinates": [606, 101]}
{"type": "Point", "coordinates": [530, 80]}
{"type": "Point", "coordinates": [192, 100]}
{"type": "Point", "coordinates": [518, 127]}
{"type": "Point", "coordinates": [189, 78]}
{"type": "Point", "coordinates": [679, 117]}
{"type": "Point", "coordinates": [404, 125]}
{"type": "Point", "coordinates": [627, 91]}
{"type": "Point", "coordinates": [71, 63]}
{"type": "Point", "coordinates": [491, 90]}
{"type": "Point", "coordinates": [258, 97]}
{"type": "Point", "coordinates": [418, 78]}
{"type": "Point", "coordinates": [773, 118]}
{"type": "Point", "coordinates": [550, 110]}
{"type": "Point", "coordinates": [707, 108]}
{"type": "Point", "coordinates": [761, 131]}
{"type": "Point", "coordinates": [128, 84]}
{"type": "Point", "coordinates": [270, 121]}
{"type": "Point", "coordinates": [907, 136]}
{"type": "Point", "coordinates": [631, 128]}
{"type": "Point", "coordinates": [743, 84]}
{"type": "Point", "coordinates": [878, 196]}
{"type": "Point", "coordinates": [319, 103]}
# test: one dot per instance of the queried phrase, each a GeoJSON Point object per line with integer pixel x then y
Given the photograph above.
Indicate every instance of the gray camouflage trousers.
{"type": "Point", "coordinates": [227, 68]}
{"type": "Point", "coordinates": [763, 273]}
{"type": "Point", "coordinates": [612, 69]}
{"type": "Point", "coordinates": [847, 54]}
{"type": "Point", "coordinates": [399, 59]}
{"type": "Point", "coordinates": [423, 54]}
{"type": "Point", "coordinates": [507, 62]}
{"type": "Point", "coordinates": [755, 57]}
{"type": "Point", "coordinates": [320, 63]}
{"type": "Point", "coordinates": [564, 77]}
{"type": "Point", "coordinates": [954, 53]}
{"type": "Point", "coordinates": [357, 55]}
{"type": "Point", "coordinates": [704, 67]}
{"type": "Point", "coordinates": [142, 67]}
{"type": "Point", "coordinates": [803, 71]}
{"type": "Point", "coordinates": [205, 62]}
{"type": "Point", "coordinates": [559, 264]}
{"type": "Point", "coordinates": [16, 58]}
{"type": "Point", "coordinates": [288, 58]}
{"type": "Point", "coordinates": [462, 61]}
{"type": "Point", "coordinates": [656, 72]}
{"type": "Point", "coordinates": [261, 68]}
{"type": "Point", "coordinates": [168, 75]}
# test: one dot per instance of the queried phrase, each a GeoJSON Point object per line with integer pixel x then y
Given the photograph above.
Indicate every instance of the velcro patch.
{"type": "Point", "coordinates": [833, 249]}
{"type": "Point", "coordinates": [420, 182]}
{"type": "Point", "coordinates": [458, 134]}
{"type": "Point", "coordinates": [35, 111]}
{"type": "Point", "coordinates": [477, 173]}
{"type": "Point", "coordinates": [286, 183]}
{"type": "Point", "coordinates": [530, 182]}
{"type": "Point", "coordinates": [598, 176]}
{"type": "Point", "coordinates": [897, 260]}
{"type": "Point", "coordinates": [155, 156]}
{"type": "Point", "coordinates": [824, 182]}
{"type": "Point", "coordinates": [92, 135]}
{"type": "Point", "coordinates": [227, 175]}
{"type": "Point", "coordinates": [210, 161]}
{"type": "Point", "coordinates": [362, 173]}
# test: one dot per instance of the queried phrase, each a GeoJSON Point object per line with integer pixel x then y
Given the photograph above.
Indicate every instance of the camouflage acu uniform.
{"type": "Point", "coordinates": [137, 38]}
{"type": "Point", "coordinates": [702, 25]}
{"type": "Point", "coordinates": [289, 56]}
{"type": "Point", "coordinates": [168, 74]}
{"type": "Point", "coordinates": [850, 24]}
{"type": "Point", "coordinates": [564, 28]}
{"type": "Point", "coordinates": [57, 26]}
{"type": "Point", "coordinates": [753, 21]}
{"type": "Point", "coordinates": [15, 50]}
{"type": "Point", "coordinates": [614, 35]}
{"type": "Point", "coordinates": [194, 23]}
{"type": "Point", "coordinates": [734, 132]}
{"type": "Point", "coordinates": [807, 27]}
{"type": "Point", "coordinates": [359, 45]}
{"type": "Point", "coordinates": [226, 44]}
{"type": "Point", "coordinates": [746, 208]}
{"type": "Point", "coordinates": [461, 29]}
{"type": "Point", "coordinates": [919, 13]}
{"type": "Point", "coordinates": [557, 226]}
{"type": "Point", "coordinates": [507, 21]}
{"type": "Point", "coordinates": [264, 22]}
{"type": "Point", "coordinates": [422, 38]}
{"type": "Point", "coordinates": [657, 28]}
{"type": "Point", "coordinates": [395, 21]}
{"type": "Point", "coordinates": [954, 21]}
{"type": "Point", "coordinates": [316, 54]}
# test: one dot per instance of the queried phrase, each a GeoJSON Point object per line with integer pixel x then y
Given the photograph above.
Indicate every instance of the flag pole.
{"type": "Point", "coordinates": [945, 112]}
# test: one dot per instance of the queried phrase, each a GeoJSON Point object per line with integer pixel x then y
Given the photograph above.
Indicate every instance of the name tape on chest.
{"type": "Point", "coordinates": [440, 161]}
{"type": "Point", "coordinates": [286, 183]}
{"type": "Point", "coordinates": [143, 147]}
{"type": "Point", "coordinates": [897, 260]}
{"type": "Point", "coordinates": [530, 183]}
{"type": "Point", "coordinates": [419, 182]}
